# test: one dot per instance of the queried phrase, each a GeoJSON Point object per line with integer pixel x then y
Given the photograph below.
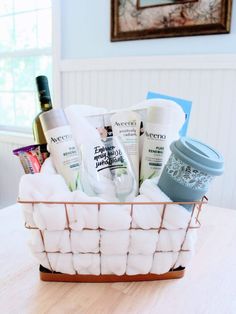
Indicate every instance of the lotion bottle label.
{"type": "Point", "coordinates": [65, 155]}
{"type": "Point", "coordinates": [154, 150]}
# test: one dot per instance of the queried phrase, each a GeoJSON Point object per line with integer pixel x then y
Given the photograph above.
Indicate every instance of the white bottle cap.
{"type": "Point", "coordinates": [176, 112]}
{"type": "Point", "coordinates": [159, 115]}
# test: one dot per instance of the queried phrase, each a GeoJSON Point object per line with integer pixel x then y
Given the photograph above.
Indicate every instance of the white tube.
{"type": "Point", "coordinates": [126, 125]}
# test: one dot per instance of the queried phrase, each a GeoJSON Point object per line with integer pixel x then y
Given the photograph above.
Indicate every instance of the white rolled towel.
{"type": "Point", "coordinates": [83, 215]}
{"type": "Point", "coordinates": [57, 241]}
{"type": "Point", "coordinates": [48, 167]}
{"type": "Point", "coordinates": [35, 241]}
{"type": "Point", "coordinates": [44, 187]}
{"type": "Point", "coordinates": [139, 264]}
{"type": "Point", "coordinates": [113, 264]}
{"type": "Point", "coordinates": [176, 216]}
{"type": "Point", "coordinates": [190, 240]}
{"type": "Point", "coordinates": [114, 242]}
{"type": "Point", "coordinates": [174, 240]}
{"type": "Point", "coordinates": [143, 241]}
{"type": "Point", "coordinates": [184, 258]}
{"type": "Point", "coordinates": [170, 240]}
{"type": "Point", "coordinates": [163, 262]}
{"type": "Point", "coordinates": [114, 217]}
{"type": "Point", "coordinates": [87, 264]}
{"type": "Point", "coordinates": [27, 211]}
{"type": "Point", "coordinates": [86, 241]}
{"type": "Point", "coordinates": [145, 216]}
{"type": "Point", "coordinates": [62, 263]}
{"type": "Point", "coordinates": [42, 259]}
{"type": "Point", "coordinates": [49, 216]}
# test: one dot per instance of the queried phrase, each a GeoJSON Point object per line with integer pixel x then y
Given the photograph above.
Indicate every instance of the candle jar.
{"type": "Point", "coordinates": [189, 170]}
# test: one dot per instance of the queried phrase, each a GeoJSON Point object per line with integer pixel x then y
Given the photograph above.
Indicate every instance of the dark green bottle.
{"type": "Point", "coordinates": [45, 105]}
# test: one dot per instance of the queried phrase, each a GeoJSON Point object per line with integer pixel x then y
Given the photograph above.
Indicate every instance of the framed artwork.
{"type": "Point", "coordinates": [142, 19]}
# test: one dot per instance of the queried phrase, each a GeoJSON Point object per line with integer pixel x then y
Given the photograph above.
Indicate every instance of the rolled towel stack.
{"type": "Point", "coordinates": [52, 188]}
{"type": "Point", "coordinates": [40, 187]}
{"type": "Point", "coordinates": [115, 220]}
{"type": "Point", "coordinates": [91, 239]}
{"type": "Point", "coordinates": [114, 249]}
{"type": "Point", "coordinates": [142, 246]}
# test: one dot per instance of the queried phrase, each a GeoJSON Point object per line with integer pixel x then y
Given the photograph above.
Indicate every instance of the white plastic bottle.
{"type": "Point", "coordinates": [63, 151]}
{"type": "Point", "coordinates": [157, 138]}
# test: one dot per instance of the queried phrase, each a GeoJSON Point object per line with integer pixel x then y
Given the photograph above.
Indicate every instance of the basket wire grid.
{"type": "Point", "coordinates": [194, 216]}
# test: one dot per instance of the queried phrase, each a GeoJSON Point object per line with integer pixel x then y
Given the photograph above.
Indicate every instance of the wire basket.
{"type": "Point", "coordinates": [50, 274]}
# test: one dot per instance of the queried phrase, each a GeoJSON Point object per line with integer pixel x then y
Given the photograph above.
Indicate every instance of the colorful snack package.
{"type": "Point", "coordinates": [32, 157]}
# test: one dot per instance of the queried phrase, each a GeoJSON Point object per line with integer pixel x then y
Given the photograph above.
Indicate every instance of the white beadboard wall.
{"type": "Point", "coordinates": [209, 81]}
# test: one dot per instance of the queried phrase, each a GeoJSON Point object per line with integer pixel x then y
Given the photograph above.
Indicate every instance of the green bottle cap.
{"type": "Point", "coordinates": [43, 89]}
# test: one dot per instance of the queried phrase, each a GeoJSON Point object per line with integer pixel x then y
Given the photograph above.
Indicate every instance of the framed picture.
{"type": "Point", "coordinates": [142, 19]}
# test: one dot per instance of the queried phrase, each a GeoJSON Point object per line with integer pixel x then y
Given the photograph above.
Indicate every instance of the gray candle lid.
{"type": "Point", "coordinates": [198, 155]}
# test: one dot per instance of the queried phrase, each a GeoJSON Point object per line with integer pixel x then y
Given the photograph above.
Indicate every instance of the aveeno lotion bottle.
{"type": "Point", "coordinates": [156, 142]}
{"type": "Point", "coordinates": [63, 151]}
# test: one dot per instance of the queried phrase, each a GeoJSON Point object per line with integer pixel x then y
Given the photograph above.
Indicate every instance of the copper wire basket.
{"type": "Point", "coordinates": [173, 273]}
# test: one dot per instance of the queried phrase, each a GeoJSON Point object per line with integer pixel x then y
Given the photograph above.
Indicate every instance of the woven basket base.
{"type": "Point", "coordinates": [47, 275]}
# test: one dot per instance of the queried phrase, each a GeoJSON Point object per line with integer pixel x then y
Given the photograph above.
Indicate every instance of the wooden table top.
{"type": "Point", "coordinates": [208, 287]}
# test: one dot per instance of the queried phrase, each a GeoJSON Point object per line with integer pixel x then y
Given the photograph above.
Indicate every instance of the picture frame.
{"type": "Point", "coordinates": [146, 19]}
